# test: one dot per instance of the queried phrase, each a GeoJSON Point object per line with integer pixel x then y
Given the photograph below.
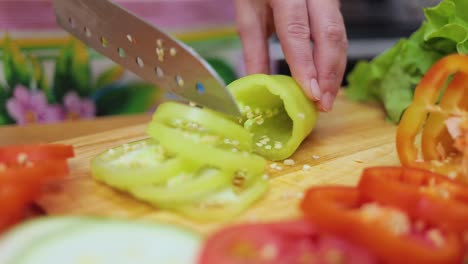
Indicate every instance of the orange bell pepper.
{"type": "Point", "coordinates": [441, 151]}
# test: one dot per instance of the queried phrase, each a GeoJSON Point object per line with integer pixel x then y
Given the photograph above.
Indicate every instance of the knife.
{"type": "Point", "coordinates": [146, 51]}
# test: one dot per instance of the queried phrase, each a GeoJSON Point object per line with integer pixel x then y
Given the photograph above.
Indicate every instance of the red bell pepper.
{"type": "Point", "coordinates": [438, 151]}
{"type": "Point", "coordinates": [35, 152]}
{"type": "Point", "coordinates": [384, 231]}
{"type": "Point", "coordinates": [422, 194]}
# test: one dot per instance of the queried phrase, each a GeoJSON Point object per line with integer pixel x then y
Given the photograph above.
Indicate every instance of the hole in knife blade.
{"type": "Point", "coordinates": [140, 62]}
{"type": "Point", "coordinates": [72, 23]}
{"type": "Point", "coordinates": [130, 38]}
{"type": "Point", "coordinates": [160, 54]}
{"type": "Point", "coordinates": [159, 72]}
{"type": "Point", "coordinates": [200, 88]}
{"type": "Point", "coordinates": [121, 52]}
{"type": "Point", "coordinates": [87, 32]}
{"type": "Point", "coordinates": [104, 42]}
{"type": "Point", "coordinates": [179, 81]}
{"type": "Point", "coordinates": [159, 42]}
{"type": "Point", "coordinates": [173, 52]}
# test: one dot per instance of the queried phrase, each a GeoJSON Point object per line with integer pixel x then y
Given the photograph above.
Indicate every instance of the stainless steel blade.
{"type": "Point", "coordinates": [145, 50]}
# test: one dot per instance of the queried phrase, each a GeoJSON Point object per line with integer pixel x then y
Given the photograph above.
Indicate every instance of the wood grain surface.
{"type": "Point", "coordinates": [45, 133]}
{"type": "Point", "coordinates": [346, 140]}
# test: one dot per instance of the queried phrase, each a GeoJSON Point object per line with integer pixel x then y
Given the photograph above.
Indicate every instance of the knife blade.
{"type": "Point", "coordinates": [145, 50]}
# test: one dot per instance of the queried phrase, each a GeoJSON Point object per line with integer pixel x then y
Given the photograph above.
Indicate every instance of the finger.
{"type": "Point", "coordinates": [292, 27]}
{"type": "Point", "coordinates": [252, 28]}
{"type": "Point", "coordinates": [330, 48]}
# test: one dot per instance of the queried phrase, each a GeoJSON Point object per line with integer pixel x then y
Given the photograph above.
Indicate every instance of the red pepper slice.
{"type": "Point", "coordinates": [13, 201]}
{"type": "Point", "coordinates": [422, 194]}
{"type": "Point", "coordinates": [35, 152]}
{"type": "Point", "coordinates": [384, 231]}
{"type": "Point", "coordinates": [33, 172]}
{"type": "Point", "coordinates": [437, 146]}
{"type": "Point", "coordinates": [21, 184]}
{"type": "Point", "coordinates": [293, 241]}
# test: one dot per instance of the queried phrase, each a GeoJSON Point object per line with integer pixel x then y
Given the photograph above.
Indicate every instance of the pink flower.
{"type": "Point", "coordinates": [31, 107]}
{"type": "Point", "coordinates": [76, 107]}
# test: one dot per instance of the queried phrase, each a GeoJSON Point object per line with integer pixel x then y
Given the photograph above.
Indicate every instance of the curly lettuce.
{"type": "Point", "coordinates": [390, 78]}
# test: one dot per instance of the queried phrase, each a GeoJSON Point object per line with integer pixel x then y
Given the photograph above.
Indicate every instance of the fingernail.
{"type": "Point", "coordinates": [327, 101]}
{"type": "Point", "coordinates": [315, 89]}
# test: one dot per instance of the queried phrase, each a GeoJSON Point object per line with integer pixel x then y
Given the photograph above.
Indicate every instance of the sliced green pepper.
{"type": "Point", "coordinates": [186, 186]}
{"type": "Point", "coordinates": [137, 163]}
{"type": "Point", "coordinates": [203, 122]}
{"type": "Point", "coordinates": [276, 111]}
{"type": "Point", "coordinates": [224, 204]}
{"type": "Point", "coordinates": [206, 168]}
{"type": "Point", "coordinates": [205, 152]}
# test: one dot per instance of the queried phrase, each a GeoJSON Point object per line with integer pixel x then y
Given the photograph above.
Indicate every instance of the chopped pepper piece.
{"type": "Point", "coordinates": [276, 111]}
{"type": "Point", "coordinates": [136, 163]}
{"type": "Point", "coordinates": [225, 203]}
{"type": "Point", "coordinates": [199, 151]}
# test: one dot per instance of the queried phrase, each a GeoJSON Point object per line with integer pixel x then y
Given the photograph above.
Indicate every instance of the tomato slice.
{"type": "Point", "coordinates": [276, 111]}
{"type": "Point", "coordinates": [137, 163]}
{"type": "Point", "coordinates": [385, 231]}
{"type": "Point", "coordinates": [292, 241]}
{"type": "Point", "coordinates": [204, 122]}
{"type": "Point", "coordinates": [187, 186]}
{"type": "Point", "coordinates": [224, 204]}
{"type": "Point", "coordinates": [422, 194]}
{"type": "Point", "coordinates": [35, 152]}
{"type": "Point", "coordinates": [186, 146]}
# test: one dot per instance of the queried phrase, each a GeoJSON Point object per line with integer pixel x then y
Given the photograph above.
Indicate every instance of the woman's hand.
{"type": "Point", "coordinates": [319, 70]}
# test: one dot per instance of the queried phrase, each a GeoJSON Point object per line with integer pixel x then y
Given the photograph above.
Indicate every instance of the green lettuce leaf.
{"type": "Point", "coordinates": [390, 78]}
{"type": "Point", "coordinates": [448, 26]}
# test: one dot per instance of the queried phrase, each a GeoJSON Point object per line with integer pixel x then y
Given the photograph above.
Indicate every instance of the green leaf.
{"type": "Point", "coordinates": [416, 59]}
{"type": "Point", "coordinates": [439, 15]}
{"type": "Point", "coordinates": [447, 26]}
{"type": "Point", "coordinates": [359, 82]}
{"type": "Point", "coordinates": [364, 80]}
{"type": "Point", "coordinates": [72, 71]}
{"type": "Point", "coordinates": [15, 66]}
{"type": "Point", "coordinates": [4, 116]}
{"type": "Point", "coordinates": [396, 91]}
{"type": "Point", "coordinates": [112, 74]}
{"type": "Point", "coordinates": [390, 78]}
{"type": "Point", "coordinates": [39, 77]}
{"type": "Point", "coordinates": [126, 99]}
{"type": "Point", "coordinates": [81, 68]}
{"type": "Point", "coordinates": [225, 71]}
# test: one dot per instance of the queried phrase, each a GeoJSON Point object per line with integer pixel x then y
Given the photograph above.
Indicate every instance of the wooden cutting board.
{"type": "Point", "coordinates": [346, 140]}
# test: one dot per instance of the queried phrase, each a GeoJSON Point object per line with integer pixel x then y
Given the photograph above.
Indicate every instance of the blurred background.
{"type": "Point", "coordinates": [373, 26]}
{"type": "Point", "coordinates": [58, 79]}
